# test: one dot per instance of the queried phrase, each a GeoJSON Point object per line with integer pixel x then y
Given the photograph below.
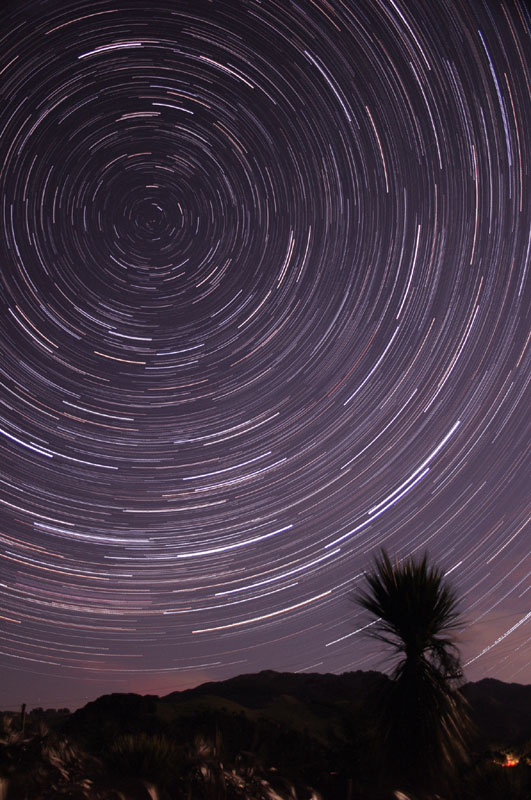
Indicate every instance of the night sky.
{"type": "Point", "coordinates": [263, 311]}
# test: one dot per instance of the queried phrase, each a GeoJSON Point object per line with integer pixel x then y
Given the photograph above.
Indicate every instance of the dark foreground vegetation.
{"type": "Point", "coordinates": [269, 735]}
{"type": "Point", "coordinates": [416, 734]}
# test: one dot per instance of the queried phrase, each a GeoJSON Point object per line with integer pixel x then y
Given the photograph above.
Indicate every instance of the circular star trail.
{"type": "Point", "coordinates": [264, 310]}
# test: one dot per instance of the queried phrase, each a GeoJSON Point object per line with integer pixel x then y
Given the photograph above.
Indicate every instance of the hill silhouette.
{"type": "Point", "coordinates": [312, 730]}
{"type": "Point", "coordinates": [311, 701]}
{"type": "Point", "coordinates": [315, 729]}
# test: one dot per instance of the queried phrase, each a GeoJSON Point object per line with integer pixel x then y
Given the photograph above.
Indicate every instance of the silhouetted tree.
{"type": "Point", "coordinates": [422, 716]}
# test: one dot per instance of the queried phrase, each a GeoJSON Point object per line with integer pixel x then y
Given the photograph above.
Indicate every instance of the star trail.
{"type": "Point", "coordinates": [264, 309]}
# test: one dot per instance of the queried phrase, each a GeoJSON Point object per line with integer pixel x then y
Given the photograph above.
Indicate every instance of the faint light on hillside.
{"type": "Point", "coordinates": [510, 760]}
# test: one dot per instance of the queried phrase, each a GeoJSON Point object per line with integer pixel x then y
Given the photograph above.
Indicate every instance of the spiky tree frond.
{"type": "Point", "coordinates": [417, 612]}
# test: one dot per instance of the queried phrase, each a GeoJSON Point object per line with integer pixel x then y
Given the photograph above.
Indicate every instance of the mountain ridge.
{"type": "Point", "coordinates": [312, 701]}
